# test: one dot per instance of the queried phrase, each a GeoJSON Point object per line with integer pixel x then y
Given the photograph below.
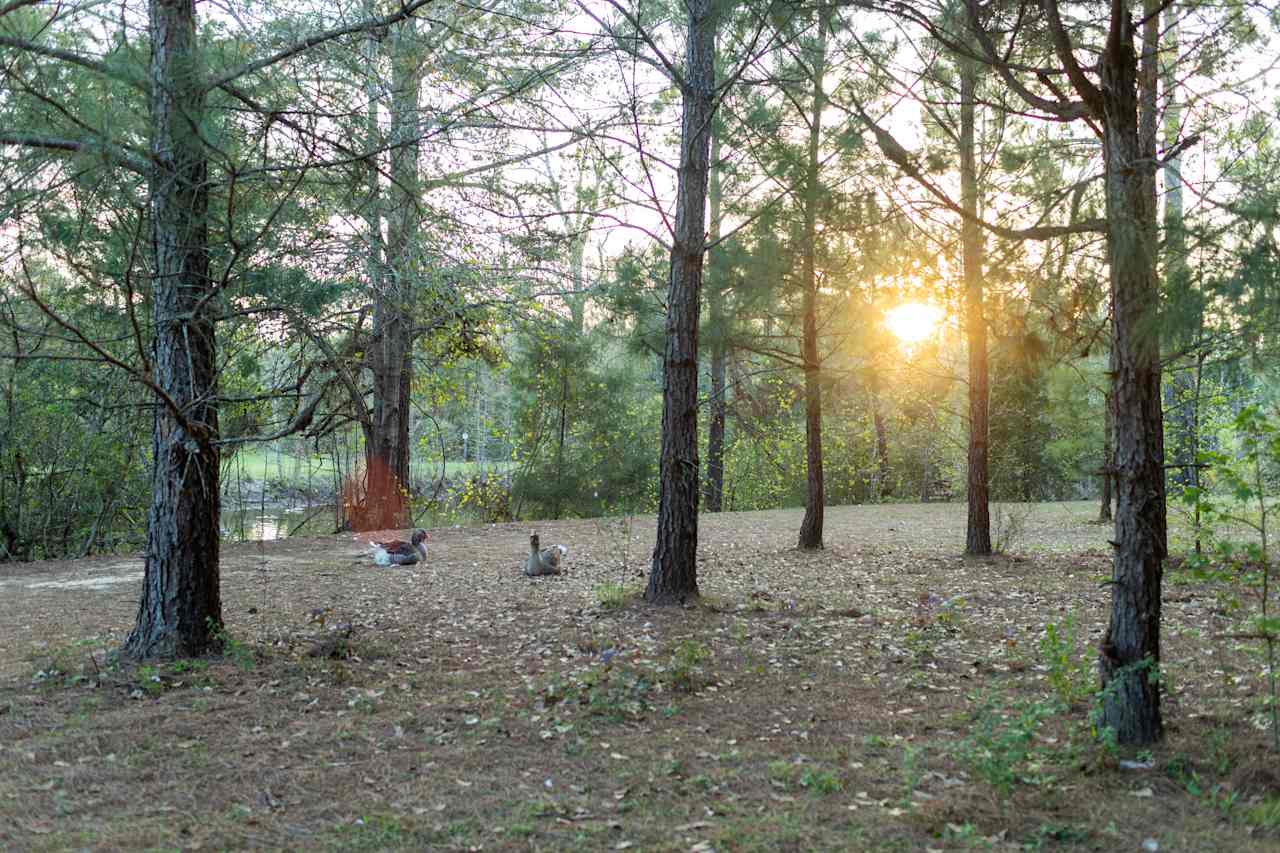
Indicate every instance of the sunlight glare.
{"type": "Point", "coordinates": [912, 322]}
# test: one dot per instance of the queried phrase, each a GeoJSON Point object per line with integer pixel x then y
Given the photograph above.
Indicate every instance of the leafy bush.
{"type": "Point", "coordinates": [486, 496]}
{"type": "Point", "coordinates": [587, 426]}
{"type": "Point", "coordinates": [74, 474]}
{"type": "Point", "coordinates": [1068, 665]}
{"type": "Point", "coordinates": [1243, 501]}
{"type": "Point", "coordinates": [1000, 741]}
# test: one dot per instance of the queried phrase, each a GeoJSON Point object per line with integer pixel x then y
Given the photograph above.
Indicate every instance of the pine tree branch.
{"type": "Point", "coordinates": [111, 153]}
{"type": "Point", "coordinates": [73, 58]}
{"type": "Point", "coordinates": [406, 10]}
{"type": "Point", "coordinates": [1084, 87]}
{"type": "Point", "coordinates": [1062, 110]}
{"type": "Point", "coordinates": [900, 157]}
{"type": "Point", "coordinates": [15, 5]}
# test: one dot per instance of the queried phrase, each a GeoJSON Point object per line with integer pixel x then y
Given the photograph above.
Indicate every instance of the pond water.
{"type": "Point", "coordinates": [253, 523]}
{"type": "Point", "coordinates": [250, 524]}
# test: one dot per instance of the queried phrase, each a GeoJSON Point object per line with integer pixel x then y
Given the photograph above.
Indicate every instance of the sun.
{"type": "Point", "coordinates": [912, 322]}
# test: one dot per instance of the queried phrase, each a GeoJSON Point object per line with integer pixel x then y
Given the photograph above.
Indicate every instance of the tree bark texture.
{"type": "Point", "coordinates": [180, 613]}
{"type": "Point", "coordinates": [978, 531]}
{"type": "Point", "coordinates": [713, 488]}
{"type": "Point", "coordinates": [1185, 385]}
{"type": "Point", "coordinates": [562, 435]}
{"type": "Point", "coordinates": [1108, 439]}
{"type": "Point", "coordinates": [673, 578]}
{"type": "Point", "coordinates": [1131, 646]}
{"type": "Point", "coordinates": [387, 451]}
{"type": "Point", "coordinates": [815, 499]}
{"type": "Point", "coordinates": [716, 429]}
{"type": "Point", "coordinates": [884, 487]}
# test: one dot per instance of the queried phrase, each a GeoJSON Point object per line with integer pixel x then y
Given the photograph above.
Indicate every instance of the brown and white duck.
{"type": "Point", "coordinates": [397, 552]}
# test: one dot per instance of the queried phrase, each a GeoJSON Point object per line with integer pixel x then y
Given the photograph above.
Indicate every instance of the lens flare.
{"type": "Point", "coordinates": [912, 322]}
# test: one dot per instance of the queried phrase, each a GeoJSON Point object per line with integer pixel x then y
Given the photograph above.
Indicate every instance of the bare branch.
{"type": "Point", "coordinates": [179, 415]}
{"type": "Point", "coordinates": [300, 421]}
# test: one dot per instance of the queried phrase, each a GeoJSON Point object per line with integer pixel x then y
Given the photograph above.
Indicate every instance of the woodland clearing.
{"type": "Point", "coordinates": [883, 694]}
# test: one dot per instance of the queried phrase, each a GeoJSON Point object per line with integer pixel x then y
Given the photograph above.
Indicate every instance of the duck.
{"type": "Point", "coordinates": [543, 561]}
{"type": "Point", "coordinates": [397, 552]}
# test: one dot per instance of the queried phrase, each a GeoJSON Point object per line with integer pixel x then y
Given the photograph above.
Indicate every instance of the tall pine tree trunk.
{"type": "Point", "coordinates": [1108, 438]}
{"type": "Point", "coordinates": [387, 451]}
{"type": "Point", "coordinates": [562, 434]}
{"type": "Point", "coordinates": [978, 531]}
{"type": "Point", "coordinates": [674, 578]}
{"type": "Point", "coordinates": [1185, 383]}
{"type": "Point", "coordinates": [713, 489]}
{"type": "Point", "coordinates": [1201, 355]}
{"type": "Point", "coordinates": [716, 429]}
{"type": "Point", "coordinates": [1131, 647]}
{"type": "Point", "coordinates": [871, 258]}
{"type": "Point", "coordinates": [811, 526]}
{"type": "Point", "coordinates": [180, 613]}
{"type": "Point", "coordinates": [884, 488]}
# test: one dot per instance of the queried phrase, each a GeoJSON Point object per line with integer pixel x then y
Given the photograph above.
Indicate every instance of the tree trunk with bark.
{"type": "Point", "coordinates": [713, 488]}
{"type": "Point", "coordinates": [884, 488]}
{"type": "Point", "coordinates": [716, 429]}
{"type": "Point", "coordinates": [387, 449]}
{"type": "Point", "coordinates": [1185, 384]}
{"type": "Point", "coordinates": [1130, 650]}
{"type": "Point", "coordinates": [1108, 439]}
{"type": "Point", "coordinates": [673, 578]}
{"type": "Point", "coordinates": [978, 531]}
{"type": "Point", "coordinates": [1131, 647]}
{"type": "Point", "coordinates": [871, 255]}
{"type": "Point", "coordinates": [815, 499]}
{"type": "Point", "coordinates": [562, 436]}
{"type": "Point", "coordinates": [180, 613]}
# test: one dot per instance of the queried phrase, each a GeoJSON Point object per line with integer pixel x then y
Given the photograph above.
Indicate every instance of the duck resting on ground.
{"type": "Point", "coordinates": [545, 561]}
{"type": "Point", "coordinates": [397, 552]}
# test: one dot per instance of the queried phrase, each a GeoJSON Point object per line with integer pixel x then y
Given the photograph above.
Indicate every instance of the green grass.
{"type": "Point", "coordinates": [455, 469]}
{"type": "Point", "coordinates": [263, 463]}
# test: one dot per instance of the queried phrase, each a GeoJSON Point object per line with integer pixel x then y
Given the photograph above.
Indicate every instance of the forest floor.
{"type": "Point", "coordinates": [883, 694]}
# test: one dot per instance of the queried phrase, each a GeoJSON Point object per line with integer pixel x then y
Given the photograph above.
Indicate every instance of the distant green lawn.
{"type": "Point", "coordinates": [455, 469]}
{"type": "Point", "coordinates": [264, 464]}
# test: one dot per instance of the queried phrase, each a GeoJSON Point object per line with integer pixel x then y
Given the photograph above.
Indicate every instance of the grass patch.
{"type": "Point", "coordinates": [612, 595]}
{"type": "Point", "coordinates": [265, 465]}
